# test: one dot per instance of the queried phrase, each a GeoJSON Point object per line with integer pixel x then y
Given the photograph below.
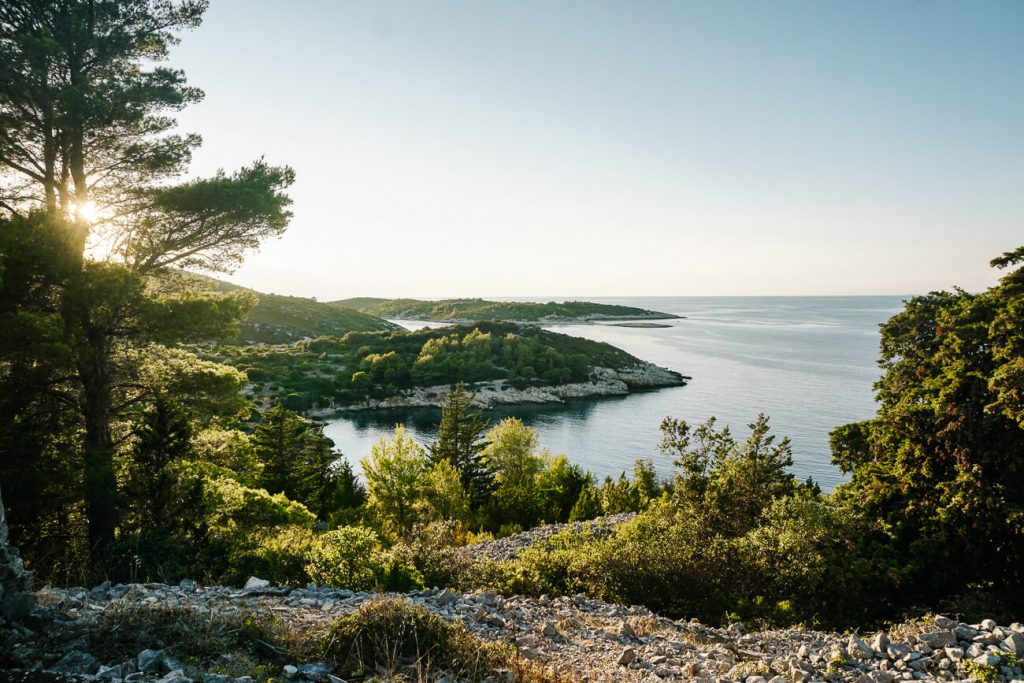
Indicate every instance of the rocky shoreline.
{"type": "Point", "coordinates": [603, 382]}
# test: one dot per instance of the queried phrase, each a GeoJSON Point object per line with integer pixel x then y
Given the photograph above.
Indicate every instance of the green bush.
{"type": "Point", "coordinates": [349, 557]}
{"type": "Point", "coordinates": [354, 558]}
{"type": "Point", "coordinates": [433, 550]}
{"type": "Point", "coordinates": [738, 536]}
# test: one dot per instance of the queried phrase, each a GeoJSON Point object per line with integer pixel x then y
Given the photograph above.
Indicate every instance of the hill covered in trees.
{"type": "Point", "coordinates": [357, 367]}
{"type": "Point", "coordinates": [279, 319]}
{"type": "Point", "coordinates": [472, 310]}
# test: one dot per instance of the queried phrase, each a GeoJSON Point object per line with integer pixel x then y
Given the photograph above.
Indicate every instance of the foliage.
{"type": "Point", "coordinates": [512, 454]}
{"type": "Point", "coordinates": [434, 551]}
{"type": "Point", "coordinates": [791, 555]}
{"type": "Point", "coordinates": [88, 157]}
{"type": "Point", "coordinates": [296, 459]}
{"type": "Point", "coordinates": [349, 557]}
{"type": "Point", "coordinates": [342, 370]}
{"type": "Point", "coordinates": [460, 443]}
{"type": "Point", "coordinates": [939, 465]}
{"type": "Point", "coordinates": [444, 494]}
{"type": "Point", "coordinates": [394, 471]}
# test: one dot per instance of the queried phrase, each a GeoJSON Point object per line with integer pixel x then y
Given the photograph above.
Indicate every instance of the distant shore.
{"type": "Point", "coordinates": [603, 382]}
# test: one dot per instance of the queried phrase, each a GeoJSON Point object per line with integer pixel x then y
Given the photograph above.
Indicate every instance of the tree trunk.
{"type": "Point", "coordinates": [100, 480]}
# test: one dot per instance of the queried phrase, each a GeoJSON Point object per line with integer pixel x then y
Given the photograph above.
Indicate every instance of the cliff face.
{"type": "Point", "coordinates": [15, 603]}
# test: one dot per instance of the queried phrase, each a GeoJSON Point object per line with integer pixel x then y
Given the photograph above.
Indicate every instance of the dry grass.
{"type": "Point", "coordinates": [243, 643]}
{"type": "Point", "coordinates": [386, 639]}
{"type": "Point", "coordinates": [393, 637]}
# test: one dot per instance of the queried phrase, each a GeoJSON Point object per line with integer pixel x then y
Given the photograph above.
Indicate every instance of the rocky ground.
{"type": "Point", "coordinates": [580, 638]}
{"type": "Point", "coordinates": [509, 547]}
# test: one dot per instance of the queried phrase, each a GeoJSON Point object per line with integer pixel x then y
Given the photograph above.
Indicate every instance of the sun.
{"type": "Point", "coordinates": [87, 211]}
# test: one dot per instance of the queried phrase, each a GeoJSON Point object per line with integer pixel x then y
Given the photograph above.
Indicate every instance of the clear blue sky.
{"type": "Point", "coordinates": [621, 148]}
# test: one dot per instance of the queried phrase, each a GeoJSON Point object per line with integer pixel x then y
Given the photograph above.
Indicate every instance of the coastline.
{"type": "Point", "coordinates": [603, 382]}
{"type": "Point", "coordinates": [406, 317]}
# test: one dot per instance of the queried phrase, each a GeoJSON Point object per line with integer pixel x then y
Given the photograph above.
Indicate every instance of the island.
{"type": "Point", "coordinates": [503, 363]}
{"type": "Point", "coordinates": [476, 310]}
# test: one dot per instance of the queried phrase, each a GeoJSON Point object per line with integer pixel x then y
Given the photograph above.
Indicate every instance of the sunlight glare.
{"type": "Point", "coordinates": [87, 211]}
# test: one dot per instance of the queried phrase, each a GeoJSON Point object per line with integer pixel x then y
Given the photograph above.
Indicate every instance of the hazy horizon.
{"type": "Point", "coordinates": [607, 149]}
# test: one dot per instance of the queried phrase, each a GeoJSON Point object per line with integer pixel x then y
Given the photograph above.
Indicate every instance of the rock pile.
{"type": "Point", "coordinates": [15, 602]}
{"type": "Point", "coordinates": [509, 547]}
{"type": "Point", "coordinates": [575, 636]}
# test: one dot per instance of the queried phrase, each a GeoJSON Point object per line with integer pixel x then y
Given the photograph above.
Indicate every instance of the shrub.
{"type": "Point", "coordinates": [349, 557]}
{"type": "Point", "coordinates": [354, 558]}
{"type": "Point", "coordinates": [400, 638]}
{"type": "Point", "coordinates": [434, 552]}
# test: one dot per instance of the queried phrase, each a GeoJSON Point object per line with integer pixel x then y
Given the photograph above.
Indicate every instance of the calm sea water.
{"type": "Point", "coordinates": [807, 362]}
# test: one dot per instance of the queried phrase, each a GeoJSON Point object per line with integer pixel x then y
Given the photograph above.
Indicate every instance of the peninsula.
{"type": "Point", "coordinates": [505, 363]}
{"type": "Point", "coordinates": [475, 310]}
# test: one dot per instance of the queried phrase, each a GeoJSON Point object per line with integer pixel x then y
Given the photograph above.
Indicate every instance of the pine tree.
{"type": "Point", "coordinates": [298, 460]}
{"type": "Point", "coordinates": [460, 442]}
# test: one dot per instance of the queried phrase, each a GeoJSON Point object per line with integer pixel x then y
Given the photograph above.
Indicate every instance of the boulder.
{"type": "Point", "coordinates": [446, 597]}
{"type": "Point", "coordinates": [15, 604]}
{"type": "Point", "coordinates": [76, 662]}
{"type": "Point", "coordinates": [315, 671]}
{"type": "Point", "coordinates": [965, 632]}
{"type": "Point", "coordinates": [986, 660]}
{"type": "Point", "coordinates": [858, 649]}
{"type": "Point", "coordinates": [938, 639]}
{"type": "Point", "coordinates": [149, 660]}
{"type": "Point", "coordinates": [627, 656]}
{"type": "Point", "coordinates": [1014, 643]}
{"type": "Point", "coordinates": [255, 583]}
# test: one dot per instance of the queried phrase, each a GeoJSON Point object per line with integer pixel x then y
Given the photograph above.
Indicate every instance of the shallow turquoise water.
{"type": "Point", "coordinates": [807, 362]}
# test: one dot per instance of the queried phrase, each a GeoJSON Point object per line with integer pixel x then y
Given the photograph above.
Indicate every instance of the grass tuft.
{"type": "Point", "coordinates": [391, 636]}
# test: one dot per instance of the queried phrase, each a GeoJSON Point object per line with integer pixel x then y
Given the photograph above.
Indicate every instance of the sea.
{"type": "Point", "coordinates": [808, 363]}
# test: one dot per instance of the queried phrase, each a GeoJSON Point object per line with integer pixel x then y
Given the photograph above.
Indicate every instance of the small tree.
{"type": "Point", "coordinates": [349, 557]}
{"type": "Point", "coordinates": [587, 506]}
{"type": "Point", "coordinates": [394, 473]}
{"type": "Point", "coordinates": [559, 485]}
{"type": "Point", "coordinates": [511, 453]}
{"type": "Point", "coordinates": [730, 483]}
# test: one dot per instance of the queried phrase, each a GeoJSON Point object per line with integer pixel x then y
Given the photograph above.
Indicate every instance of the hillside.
{"type": "Point", "coordinates": [473, 310]}
{"type": "Point", "coordinates": [223, 634]}
{"type": "Point", "coordinates": [279, 319]}
{"type": "Point", "coordinates": [507, 362]}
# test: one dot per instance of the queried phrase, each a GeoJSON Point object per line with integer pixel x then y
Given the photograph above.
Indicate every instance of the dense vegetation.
{"type": "Point", "coordinates": [127, 454]}
{"type": "Point", "coordinates": [342, 370]}
{"type": "Point", "coordinates": [462, 310]}
{"type": "Point", "coordinates": [277, 319]}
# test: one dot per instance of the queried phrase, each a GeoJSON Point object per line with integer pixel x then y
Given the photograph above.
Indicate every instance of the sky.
{"type": "Point", "coordinates": [590, 148]}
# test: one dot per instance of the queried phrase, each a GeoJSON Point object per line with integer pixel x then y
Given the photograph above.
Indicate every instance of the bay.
{"type": "Point", "coordinates": [809, 363]}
